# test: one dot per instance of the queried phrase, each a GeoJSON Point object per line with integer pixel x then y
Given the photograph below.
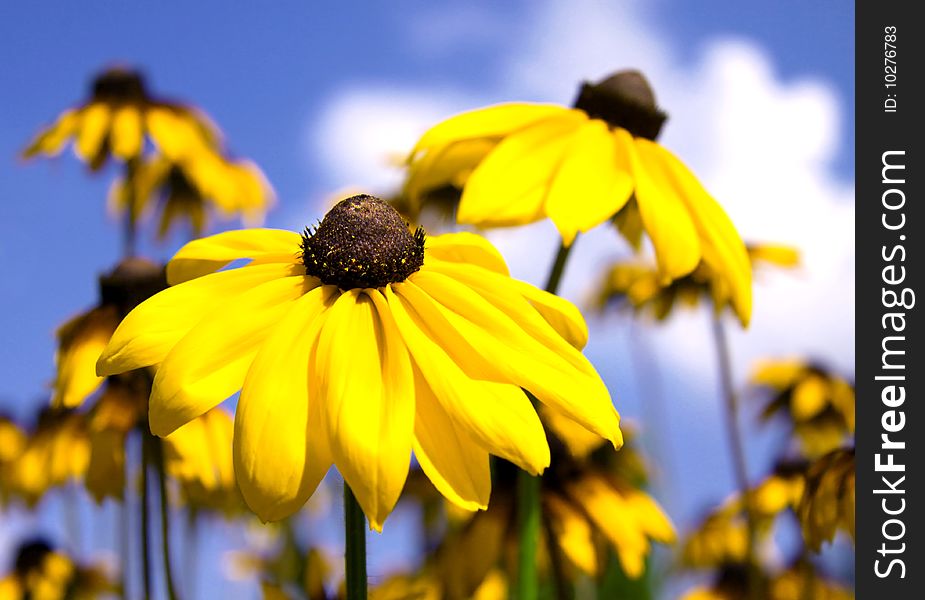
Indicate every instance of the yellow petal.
{"type": "Point", "coordinates": [127, 132]}
{"type": "Point", "coordinates": [449, 457]}
{"type": "Point", "coordinates": [778, 374]}
{"type": "Point", "coordinates": [209, 254]}
{"type": "Point", "coordinates": [664, 214]}
{"type": "Point", "coordinates": [209, 363]}
{"type": "Point", "coordinates": [465, 247]}
{"type": "Point", "coordinates": [52, 139]}
{"type": "Point", "coordinates": [497, 416]}
{"type": "Point", "coordinates": [450, 164]}
{"type": "Point", "coordinates": [809, 398]}
{"type": "Point", "coordinates": [509, 187]}
{"type": "Point", "coordinates": [592, 183]}
{"type": "Point", "coordinates": [81, 341]}
{"type": "Point", "coordinates": [94, 124]}
{"type": "Point", "coordinates": [562, 315]}
{"type": "Point", "coordinates": [493, 121]}
{"type": "Point", "coordinates": [721, 245]}
{"type": "Point", "coordinates": [579, 442]}
{"type": "Point", "coordinates": [280, 451]}
{"type": "Point", "coordinates": [178, 136]}
{"type": "Point", "coordinates": [152, 329]}
{"type": "Point", "coordinates": [364, 376]}
{"type": "Point", "coordinates": [573, 533]}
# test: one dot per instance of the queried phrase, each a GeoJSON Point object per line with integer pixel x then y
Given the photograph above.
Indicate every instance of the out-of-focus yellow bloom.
{"type": "Point", "coordinates": [187, 192]}
{"type": "Point", "coordinates": [41, 573]}
{"type": "Point", "coordinates": [56, 452]}
{"type": "Point", "coordinates": [818, 402]}
{"type": "Point", "coordinates": [356, 343]}
{"type": "Point", "coordinates": [798, 582]}
{"type": "Point", "coordinates": [828, 503]}
{"type": "Point", "coordinates": [80, 342]}
{"type": "Point", "coordinates": [781, 490]}
{"type": "Point", "coordinates": [12, 443]}
{"type": "Point", "coordinates": [117, 118]}
{"type": "Point", "coordinates": [641, 285]}
{"type": "Point", "coordinates": [582, 166]}
{"type": "Point", "coordinates": [198, 456]}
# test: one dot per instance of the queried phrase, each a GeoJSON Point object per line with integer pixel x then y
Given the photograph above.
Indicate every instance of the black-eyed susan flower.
{"type": "Point", "coordinates": [828, 504]}
{"type": "Point", "coordinates": [581, 167]}
{"type": "Point", "coordinates": [188, 192]}
{"type": "Point", "coordinates": [639, 285]}
{"type": "Point", "coordinates": [41, 573]}
{"type": "Point", "coordinates": [817, 401]}
{"type": "Point", "coordinates": [356, 343]}
{"type": "Point", "coordinates": [117, 118]}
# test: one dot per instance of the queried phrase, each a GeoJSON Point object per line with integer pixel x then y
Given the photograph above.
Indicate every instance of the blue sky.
{"type": "Point", "coordinates": [315, 95]}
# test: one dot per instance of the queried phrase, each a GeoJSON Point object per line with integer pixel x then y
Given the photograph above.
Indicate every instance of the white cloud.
{"type": "Point", "coordinates": [763, 146]}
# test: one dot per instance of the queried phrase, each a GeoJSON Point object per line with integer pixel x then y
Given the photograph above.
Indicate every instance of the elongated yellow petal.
{"type": "Point", "coordinates": [457, 466]}
{"type": "Point", "coordinates": [665, 215]}
{"type": "Point", "coordinates": [127, 134]}
{"type": "Point", "coordinates": [498, 416]}
{"type": "Point", "coordinates": [280, 449]}
{"type": "Point", "coordinates": [450, 164]}
{"type": "Point", "coordinates": [209, 364]}
{"type": "Point", "coordinates": [468, 248]}
{"type": "Point", "coordinates": [81, 341]}
{"type": "Point", "coordinates": [721, 245]}
{"type": "Point", "coordinates": [592, 183]}
{"type": "Point", "coordinates": [52, 139]}
{"type": "Point", "coordinates": [509, 187]}
{"type": "Point", "coordinates": [178, 136]}
{"type": "Point", "coordinates": [152, 329]}
{"type": "Point", "coordinates": [493, 121]}
{"type": "Point", "coordinates": [511, 354]}
{"type": "Point", "coordinates": [561, 314]}
{"type": "Point", "coordinates": [809, 398]}
{"type": "Point", "coordinates": [94, 125]}
{"type": "Point", "coordinates": [364, 374]}
{"type": "Point", "coordinates": [573, 533]}
{"type": "Point", "coordinates": [211, 253]}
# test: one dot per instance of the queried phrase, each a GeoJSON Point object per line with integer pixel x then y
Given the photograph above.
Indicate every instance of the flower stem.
{"type": "Point", "coordinates": [157, 447]}
{"type": "Point", "coordinates": [737, 448]}
{"type": "Point", "coordinates": [145, 514]}
{"type": "Point", "coordinates": [130, 230]}
{"type": "Point", "coordinates": [355, 556]}
{"type": "Point", "coordinates": [528, 486]}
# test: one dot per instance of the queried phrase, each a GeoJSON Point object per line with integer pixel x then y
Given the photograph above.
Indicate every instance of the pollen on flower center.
{"type": "Point", "coordinates": [362, 243]}
{"type": "Point", "coordinates": [625, 99]}
{"type": "Point", "coordinates": [119, 85]}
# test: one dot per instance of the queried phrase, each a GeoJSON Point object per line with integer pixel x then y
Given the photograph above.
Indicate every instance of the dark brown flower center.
{"type": "Point", "coordinates": [362, 243]}
{"type": "Point", "coordinates": [625, 99]}
{"type": "Point", "coordinates": [119, 85]}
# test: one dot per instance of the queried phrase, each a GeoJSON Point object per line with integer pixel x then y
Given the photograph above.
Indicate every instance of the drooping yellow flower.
{"type": "Point", "coordinates": [41, 573]}
{"type": "Point", "coordinates": [80, 342]}
{"type": "Point", "coordinates": [818, 402]}
{"type": "Point", "coordinates": [828, 504]}
{"type": "Point", "coordinates": [117, 118]}
{"type": "Point", "coordinates": [580, 167]}
{"type": "Point", "coordinates": [56, 452]}
{"type": "Point", "coordinates": [357, 343]}
{"type": "Point", "coordinates": [187, 192]}
{"type": "Point", "coordinates": [12, 443]}
{"type": "Point", "coordinates": [641, 285]}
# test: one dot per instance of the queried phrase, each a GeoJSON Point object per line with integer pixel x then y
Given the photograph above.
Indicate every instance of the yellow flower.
{"type": "Point", "coordinates": [186, 192]}
{"type": "Point", "coordinates": [802, 580]}
{"type": "Point", "coordinates": [80, 342]}
{"type": "Point", "coordinates": [56, 453]}
{"type": "Point", "coordinates": [829, 501]}
{"type": "Point", "coordinates": [819, 403]}
{"type": "Point", "coordinates": [118, 116]}
{"type": "Point", "coordinates": [641, 284]}
{"type": "Point", "coordinates": [354, 343]}
{"type": "Point", "coordinates": [12, 442]}
{"type": "Point", "coordinates": [580, 167]}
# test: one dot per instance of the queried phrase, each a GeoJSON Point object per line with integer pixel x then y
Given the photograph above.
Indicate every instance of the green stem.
{"type": "Point", "coordinates": [157, 447]}
{"type": "Point", "coordinates": [528, 486]}
{"type": "Point", "coordinates": [556, 562]}
{"type": "Point", "coordinates": [355, 555]}
{"type": "Point", "coordinates": [737, 448]}
{"type": "Point", "coordinates": [145, 514]}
